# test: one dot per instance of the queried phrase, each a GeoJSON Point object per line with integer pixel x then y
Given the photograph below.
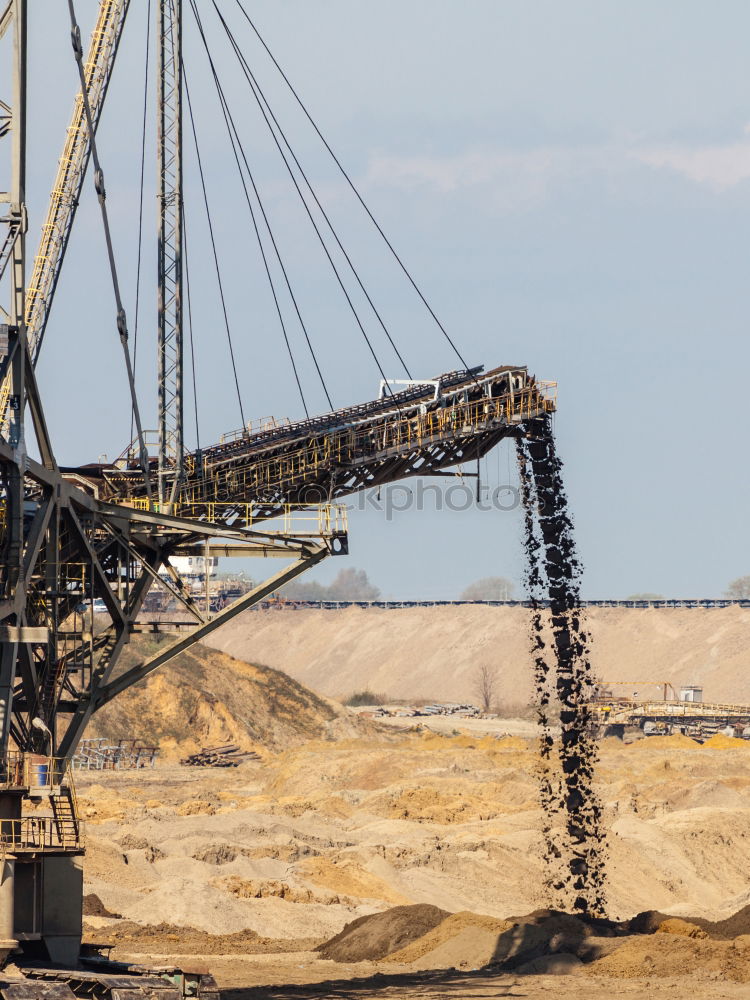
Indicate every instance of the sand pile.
{"type": "Point", "coordinates": [674, 955]}
{"type": "Point", "coordinates": [462, 941]}
{"type": "Point", "coordinates": [651, 921]}
{"type": "Point", "coordinates": [548, 942]}
{"type": "Point", "coordinates": [424, 937]}
{"type": "Point", "coordinates": [373, 937]}
{"type": "Point", "coordinates": [204, 698]}
{"type": "Point", "coordinates": [94, 907]}
{"type": "Point", "coordinates": [738, 925]}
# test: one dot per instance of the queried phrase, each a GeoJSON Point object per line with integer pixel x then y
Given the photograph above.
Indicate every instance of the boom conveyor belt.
{"type": "Point", "coordinates": [430, 427]}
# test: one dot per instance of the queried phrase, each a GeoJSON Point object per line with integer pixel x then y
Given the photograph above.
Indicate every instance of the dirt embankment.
{"type": "Point", "coordinates": [433, 652]}
{"type": "Point", "coordinates": [205, 697]}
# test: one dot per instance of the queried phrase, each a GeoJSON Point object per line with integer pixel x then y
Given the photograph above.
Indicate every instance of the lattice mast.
{"type": "Point", "coordinates": [66, 192]}
{"type": "Point", "coordinates": [169, 101]}
{"type": "Point", "coordinates": [14, 364]}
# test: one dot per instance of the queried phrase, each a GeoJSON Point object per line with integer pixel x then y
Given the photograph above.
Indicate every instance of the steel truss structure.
{"type": "Point", "coordinates": [170, 341]}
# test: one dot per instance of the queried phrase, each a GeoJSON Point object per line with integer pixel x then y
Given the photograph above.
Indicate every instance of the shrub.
{"type": "Point", "coordinates": [359, 698]}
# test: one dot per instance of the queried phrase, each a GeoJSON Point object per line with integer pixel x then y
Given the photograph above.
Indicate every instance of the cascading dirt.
{"type": "Point", "coordinates": [573, 832]}
{"type": "Point", "coordinates": [549, 794]}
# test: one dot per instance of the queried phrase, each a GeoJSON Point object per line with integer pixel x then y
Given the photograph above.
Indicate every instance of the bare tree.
{"type": "Point", "coordinates": [739, 589]}
{"type": "Point", "coordinates": [485, 685]}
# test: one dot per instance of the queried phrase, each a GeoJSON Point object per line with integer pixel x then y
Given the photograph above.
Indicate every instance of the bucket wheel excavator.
{"type": "Point", "coordinates": [110, 531]}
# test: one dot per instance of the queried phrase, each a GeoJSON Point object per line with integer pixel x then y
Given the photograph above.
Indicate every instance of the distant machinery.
{"type": "Point", "coordinates": [699, 719]}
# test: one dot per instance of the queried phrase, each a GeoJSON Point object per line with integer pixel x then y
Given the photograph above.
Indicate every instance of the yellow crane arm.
{"type": "Point", "coordinates": [71, 171]}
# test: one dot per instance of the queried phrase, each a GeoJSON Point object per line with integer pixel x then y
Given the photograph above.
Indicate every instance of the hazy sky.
{"type": "Point", "coordinates": [570, 184]}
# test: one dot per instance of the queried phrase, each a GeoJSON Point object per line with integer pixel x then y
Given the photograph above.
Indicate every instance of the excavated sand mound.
{"type": "Point", "coordinates": [461, 941]}
{"type": "Point", "coordinates": [683, 928]}
{"type": "Point", "coordinates": [550, 943]}
{"type": "Point", "coordinates": [428, 938]}
{"type": "Point", "coordinates": [449, 929]}
{"type": "Point", "coordinates": [374, 937]}
{"type": "Point", "coordinates": [206, 698]}
{"type": "Point", "coordinates": [671, 955]}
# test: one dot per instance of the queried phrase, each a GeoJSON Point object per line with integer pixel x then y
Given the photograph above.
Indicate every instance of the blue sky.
{"type": "Point", "coordinates": [570, 184]}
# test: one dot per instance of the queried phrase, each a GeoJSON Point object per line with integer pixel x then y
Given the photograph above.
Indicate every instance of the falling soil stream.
{"type": "Point", "coordinates": [573, 833]}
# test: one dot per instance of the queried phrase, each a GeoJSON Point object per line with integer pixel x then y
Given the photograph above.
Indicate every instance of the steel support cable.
{"type": "Point", "coordinates": [268, 271]}
{"type": "Point", "coordinates": [140, 203]}
{"type": "Point", "coordinates": [266, 220]}
{"type": "Point", "coordinates": [347, 296]}
{"type": "Point", "coordinates": [213, 244]}
{"type": "Point", "coordinates": [122, 323]}
{"type": "Point", "coordinates": [234, 140]}
{"type": "Point", "coordinates": [190, 328]}
{"type": "Point", "coordinates": [310, 188]}
{"type": "Point", "coordinates": [354, 188]}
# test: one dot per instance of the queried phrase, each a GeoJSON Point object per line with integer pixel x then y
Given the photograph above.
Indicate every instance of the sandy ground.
{"type": "Point", "coordinates": [447, 725]}
{"type": "Point", "coordinates": [255, 866]}
{"type": "Point", "coordinates": [433, 652]}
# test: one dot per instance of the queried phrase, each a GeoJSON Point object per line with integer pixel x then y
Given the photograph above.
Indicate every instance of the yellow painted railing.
{"type": "Point", "coordinates": [323, 520]}
{"type": "Point", "coordinates": [31, 770]}
{"type": "Point", "coordinates": [40, 833]}
{"type": "Point", "coordinates": [43, 776]}
{"type": "Point", "coordinates": [396, 434]}
{"type": "Point", "coordinates": [229, 475]}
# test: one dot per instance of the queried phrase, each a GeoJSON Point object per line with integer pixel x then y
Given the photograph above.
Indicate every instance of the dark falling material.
{"type": "Point", "coordinates": [572, 831]}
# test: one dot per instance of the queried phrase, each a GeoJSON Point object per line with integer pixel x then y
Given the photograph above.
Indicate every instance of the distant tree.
{"type": "Point", "coordinates": [645, 596]}
{"type": "Point", "coordinates": [348, 585]}
{"type": "Point", "coordinates": [485, 686]}
{"type": "Point", "coordinates": [297, 590]}
{"type": "Point", "coordinates": [352, 585]}
{"type": "Point", "coordinates": [490, 588]}
{"type": "Point", "coordinates": [739, 589]}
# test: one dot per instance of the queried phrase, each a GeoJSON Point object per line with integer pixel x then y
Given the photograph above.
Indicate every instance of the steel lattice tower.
{"type": "Point", "coordinates": [169, 98]}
